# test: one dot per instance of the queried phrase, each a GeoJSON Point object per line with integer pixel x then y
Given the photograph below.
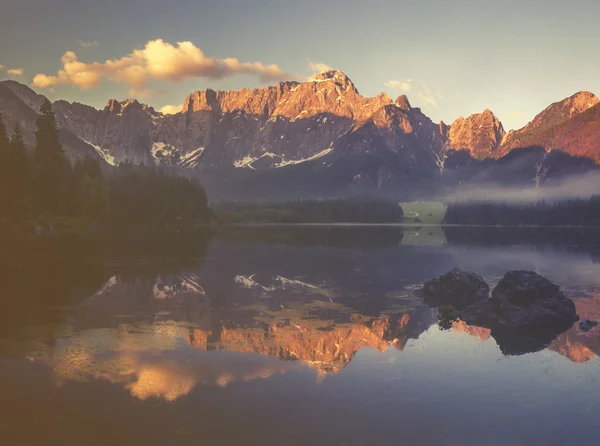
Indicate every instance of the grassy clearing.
{"type": "Point", "coordinates": [429, 212]}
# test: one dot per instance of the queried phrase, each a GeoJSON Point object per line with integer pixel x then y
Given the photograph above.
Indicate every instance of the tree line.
{"type": "Point", "coordinates": [340, 210]}
{"type": "Point", "coordinates": [41, 191]}
{"type": "Point", "coordinates": [572, 212]}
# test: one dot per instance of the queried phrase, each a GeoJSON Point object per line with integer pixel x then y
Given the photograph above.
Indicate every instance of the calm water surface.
{"type": "Point", "coordinates": [293, 337]}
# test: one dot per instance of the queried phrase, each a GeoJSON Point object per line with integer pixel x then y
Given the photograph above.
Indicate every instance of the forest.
{"type": "Point", "coordinates": [41, 192]}
{"type": "Point", "coordinates": [573, 212]}
{"type": "Point", "coordinates": [335, 210]}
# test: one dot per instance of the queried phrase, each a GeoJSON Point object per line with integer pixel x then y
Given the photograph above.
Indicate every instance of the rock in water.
{"type": "Point", "coordinates": [523, 299]}
{"type": "Point", "coordinates": [457, 288]}
{"type": "Point", "coordinates": [587, 325]}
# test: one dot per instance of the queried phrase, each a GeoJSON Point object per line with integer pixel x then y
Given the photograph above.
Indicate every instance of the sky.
{"type": "Point", "coordinates": [450, 58]}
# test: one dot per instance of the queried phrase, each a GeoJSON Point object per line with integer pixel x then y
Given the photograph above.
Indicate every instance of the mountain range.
{"type": "Point", "coordinates": [320, 138]}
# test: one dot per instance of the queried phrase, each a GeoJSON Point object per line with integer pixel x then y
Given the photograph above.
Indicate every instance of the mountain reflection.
{"type": "Point", "coordinates": [253, 311]}
{"type": "Point", "coordinates": [163, 337]}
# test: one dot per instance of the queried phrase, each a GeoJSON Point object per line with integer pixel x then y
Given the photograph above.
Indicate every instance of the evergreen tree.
{"type": "Point", "coordinates": [52, 166]}
{"type": "Point", "coordinates": [87, 166]}
{"type": "Point", "coordinates": [94, 203]}
{"type": "Point", "coordinates": [20, 176]}
{"type": "Point", "coordinates": [4, 168]}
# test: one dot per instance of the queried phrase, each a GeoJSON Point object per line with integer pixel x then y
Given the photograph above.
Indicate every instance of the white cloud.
{"type": "Point", "coordinates": [157, 60]}
{"type": "Point", "coordinates": [405, 85]}
{"type": "Point", "coordinates": [419, 89]}
{"type": "Point", "coordinates": [145, 93]}
{"type": "Point", "coordinates": [88, 43]}
{"type": "Point", "coordinates": [16, 71]}
{"type": "Point", "coordinates": [427, 99]}
{"type": "Point", "coordinates": [171, 109]}
{"type": "Point", "coordinates": [2, 67]}
{"type": "Point", "coordinates": [318, 67]}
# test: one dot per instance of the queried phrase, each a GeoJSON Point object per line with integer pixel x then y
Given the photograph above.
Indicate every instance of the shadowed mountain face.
{"type": "Point", "coordinates": [314, 138]}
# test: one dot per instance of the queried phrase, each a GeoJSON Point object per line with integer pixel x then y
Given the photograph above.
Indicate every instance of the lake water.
{"type": "Point", "coordinates": [296, 336]}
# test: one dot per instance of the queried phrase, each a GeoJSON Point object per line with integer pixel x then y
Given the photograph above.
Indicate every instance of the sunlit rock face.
{"type": "Point", "coordinates": [570, 125]}
{"type": "Point", "coordinates": [481, 134]}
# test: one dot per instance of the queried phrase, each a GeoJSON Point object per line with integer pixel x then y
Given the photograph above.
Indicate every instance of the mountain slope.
{"type": "Point", "coordinates": [552, 129]}
{"type": "Point", "coordinates": [20, 104]}
{"type": "Point", "coordinates": [320, 137]}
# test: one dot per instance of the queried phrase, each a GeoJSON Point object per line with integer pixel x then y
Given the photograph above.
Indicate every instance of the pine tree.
{"type": "Point", "coordinates": [51, 164]}
{"type": "Point", "coordinates": [20, 176]}
{"type": "Point", "coordinates": [4, 168]}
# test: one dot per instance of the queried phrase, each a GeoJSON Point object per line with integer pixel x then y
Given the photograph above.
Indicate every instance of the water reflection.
{"type": "Point", "coordinates": [146, 334]}
{"type": "Point", "coordinates": [274, 311]}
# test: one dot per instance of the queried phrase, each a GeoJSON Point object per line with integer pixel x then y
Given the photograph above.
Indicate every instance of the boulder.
{"type": "Point", "coordinates": [523, 299]}
{"type": "Point", "coordinates": [587, 325]}
{"type": "Point", "coordinates": [457, 288]}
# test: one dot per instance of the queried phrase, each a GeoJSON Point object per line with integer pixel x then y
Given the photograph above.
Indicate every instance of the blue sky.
{"type": "Point", "coordinates": [453, 58]}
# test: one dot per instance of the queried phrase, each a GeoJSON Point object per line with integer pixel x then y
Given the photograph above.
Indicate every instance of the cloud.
{"type": "Point", "coordinates": [569, 187]}
{"type": "Point", "coordinates": [12, 71]}
{"type": "Point", "coordinates": [419, 89]}
{"type": "Point", "coordinates": [158, 60]}
{"type": "Point", "coordinates": [427, 99]}
{"type": "Point", "coordinates": [145, 93]}
{"type": "Point", "coordinates": [405, 85]}
{"type": "Point", "coordinates": [318, 67]}
{"type": "Point", "coordinates": [171, 109]}
{"type": "Point", "coordinates": [88, 44]}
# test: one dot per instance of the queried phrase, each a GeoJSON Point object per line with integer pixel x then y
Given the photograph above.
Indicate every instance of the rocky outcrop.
{"type": "Point", "coordinates": [523, 299]}
{"type": "Point", "coordinates": [524, 314]}
{"type": "Point", "coordinates": [481, 134]}
{"type": "Point", "coordinates": [457, 288]}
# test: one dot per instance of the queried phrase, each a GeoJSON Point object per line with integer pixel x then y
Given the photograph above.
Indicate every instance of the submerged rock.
{"type": "Point", "coordinates": [587, 325]}
{"type": "Point", "coordinates": [457, 288]}
{"type": "Point", "coordinates": [516, 341]}
{"type": "Point", "coordinates": [523, 299]}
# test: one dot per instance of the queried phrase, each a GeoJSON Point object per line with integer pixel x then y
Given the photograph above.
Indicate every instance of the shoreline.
{"type": "Point", "coordinates": [399, 225]}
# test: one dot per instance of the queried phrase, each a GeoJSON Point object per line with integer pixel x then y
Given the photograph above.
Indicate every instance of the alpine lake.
{"type": "Point", "coordinates": [296, 335]}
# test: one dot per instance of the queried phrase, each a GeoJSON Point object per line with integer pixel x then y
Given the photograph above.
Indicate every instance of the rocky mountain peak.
{"type": "Point", "coordinates": [26, 94]}
{"type": "Point", "coordinates": [130, 102]}
{"type": "Point", "coordinates": [567, 108]}
{"type": "Point", "coordinates": [335, 76]}
{"type": "Point", "coordinates": [539, 130]}
{"type": "Point", "coordinates": [480, 133]}
{"type": "Point", "coordinates": [113, 106]}
{"type": "Point", "coordinates": [402, 102]}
